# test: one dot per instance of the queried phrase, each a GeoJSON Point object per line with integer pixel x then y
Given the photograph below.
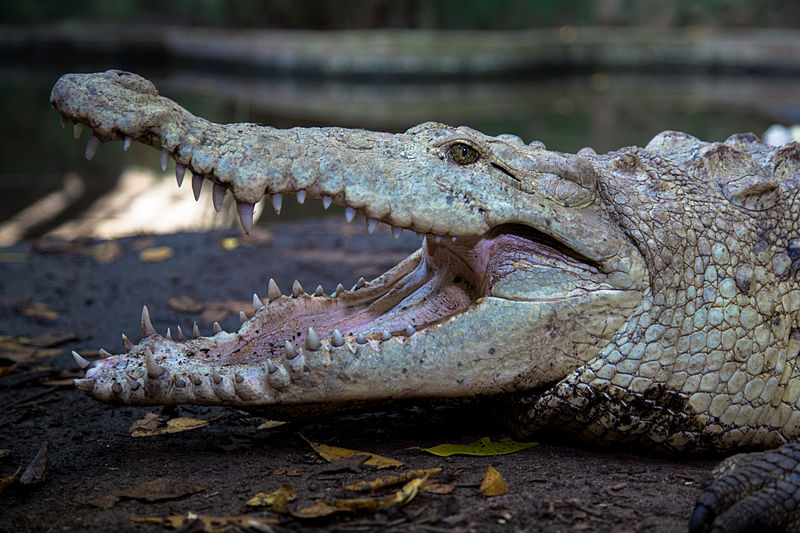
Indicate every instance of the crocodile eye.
{"type": "Point", "coordinates": [463, 154]}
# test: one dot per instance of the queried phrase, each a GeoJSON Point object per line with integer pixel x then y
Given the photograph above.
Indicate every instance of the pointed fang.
{"type": "Point", "coordinates": [195, 331]}
{"type": "Point", "coordinates": [410, 330]}
{"type": "Point", "coordinates": [396, 232]}
{"type": "Point", "coordinates": [153, 369]}
{"type": "Point", "coordinates": [164, 159]}
{"type": "Point", "coordinates": [245, 210]}
{"type": "Point", "coordinates": [103, 353]}
{"type": "Point", "coordinates": [180, 172]}
{"type": "Point", "coordinates": [326, 201]}
{"type": "Point", "coordinates": [257, 303]}
{"type": "Point", "coordinates": [361, 339]}
{"type": "Point", "coordinates": [273, 291]}
{"type": "Point", "coordinates": [181, 336]}
{"type": "Point", "coordinates": [197, 185]}
{"type": "Point", "coordinates": [301, 196]}
{"type": "Point", "coordinates": [217, 328]}
{"type": "Point", "coordinates": [371, 225]}
{"type": "Point", "coordinates": [349, 214]}
{"type": "Point", "coordinates": [277, 201]}
{"type": "Point", "coordinates": [168, 336]}
{"type": "Point", "coordinates": [319, 291]}
{"type": "Point", "coordinates": [291, 353]}
{"type": "Point", "coordinates": [386, 336]}
{"type": "Point", "coordinates": [337, 339]}
{"type": "Point", "coordinates": [80, 361]}
{"type": "Point", "coordinates": [91, 147]}
{"type": "Point", "coordinates": [126, 143]}
{"type": "Point", "coordinates": [126, 342]}
{"type": "Point", "coordinates": [218, 195]}
{"type": "Point", "coordinates": [84, 384]}
{"type": "Point", "coordinates": [312, 341]}
{"type": "Point", "coordinates": [147, 325]}
{"type": "Point", "coordinates": [242, 317]}
{"type": "Point", "coordinates": [77, 129]}
{"type": "Point", "coordinates": [297, 289]}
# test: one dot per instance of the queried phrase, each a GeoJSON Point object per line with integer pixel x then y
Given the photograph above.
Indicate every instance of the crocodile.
{"type": "Point", "coordinates": [644, 296]}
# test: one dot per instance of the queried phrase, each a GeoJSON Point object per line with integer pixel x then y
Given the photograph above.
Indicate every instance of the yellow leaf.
{"type": "Point", "coordinates": [388, 481]}
{"type": "Point", "coordinates": [401, 497]}
{"type": "Point", "coordinates": [269, 424]}
{"type": "Point", "coordinates": [156, 254]}
{"type": "Point", "coordinates": [493, 483]}
{"type": "Point", "coordinates": [318, 510]}
{"type": "Point", "coordinates": [175, 425]}
{"type": "Point", "coordinates": [230, 243]}
{"type": "Point", "coordinates": [332, 453]}
{"type": "Point", "coordinates": [211, 524]}
{"type": "Point", "coordinates": [285, 493]}
{"type": "Point", "coordinates": [483, 446]}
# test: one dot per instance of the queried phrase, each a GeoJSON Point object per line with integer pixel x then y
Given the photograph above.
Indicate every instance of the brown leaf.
{"type": "Point", "coordinates": [211, 524]}
{"type": "Point", "coordinates": [34, 473]}
{"type": "Point", "coordinates": [493, 483]}
{"type": "Point", "coordinates": [155, 255]}
{"type": "Point", "coordinates": [162, 488]}
{"type": "Point", "coordinates": [149, 422]}
{"type": "Point", "coordinates": [8, 479]}
{"type": "Point", "coordinates": [437, 488]}
{"type": "Point", "coordinates": [401, 497]}
{"type": "Point", "coordinates": [174, 425]}
{"type": "Point", "coordinates": [331, 453]}
{"type": "Point", "coordinates": [186, 304]}
{"type": "Point", "coordinates": [36, 310]}
{"type": "Point", "coordinates": [345, 464]}
{"type": "Point", "coordinates": [318, 510]}
{"type": "Point", "coordinates": [106, 252]}
{"type": "Point", "coordinates": [388, 481]}
{"type": "Point", "coordinates": [104, 502]}
{"type": "Point", "coordinates": [279, 498]}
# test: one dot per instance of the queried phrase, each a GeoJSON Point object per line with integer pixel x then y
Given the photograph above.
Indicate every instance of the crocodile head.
{"type": "Point", "coordinates": [524, 275]}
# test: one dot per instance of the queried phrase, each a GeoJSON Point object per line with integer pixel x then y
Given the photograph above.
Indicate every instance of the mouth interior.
{"type": "Point", "coordinates": [439, 281]}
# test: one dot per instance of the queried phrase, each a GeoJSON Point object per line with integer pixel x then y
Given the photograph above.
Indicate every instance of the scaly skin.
{"type": "Point", "coordinates": [646, 295]}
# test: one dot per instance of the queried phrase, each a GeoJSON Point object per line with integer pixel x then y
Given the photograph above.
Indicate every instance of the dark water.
{"type": "Point", "coordinates": [605, 111]}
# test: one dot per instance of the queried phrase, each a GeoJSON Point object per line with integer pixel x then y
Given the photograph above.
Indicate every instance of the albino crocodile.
{"type": "Point", "coordinates": [646, 295]}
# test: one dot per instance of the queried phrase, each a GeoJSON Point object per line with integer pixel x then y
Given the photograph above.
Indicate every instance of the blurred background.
{"type": "Point", "coordinates": [600, 73]}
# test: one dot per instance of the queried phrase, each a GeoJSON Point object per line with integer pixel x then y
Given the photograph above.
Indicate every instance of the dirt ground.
{"type": "Point", "coordinates": [555, 486]}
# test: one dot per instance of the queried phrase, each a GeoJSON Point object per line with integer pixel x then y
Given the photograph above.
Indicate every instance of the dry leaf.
{"type": "Point", "coordinates": [162, 488]}
{"type": "Point", "coordinates": [211, 524]}
{"type": "Point", "coordinates": [318, 510]}
{"type": "Point", "coordinates": [174, 425]}
{"type": "Point", "coordinates": [36, 310]}
{"type": "Point", "coordinates": [34, 473]}
{"type": "Point", "coordinates": [154, 255]}
{"type": "Point", "coordinates": [401, 497]}
{"type": "Point", "coordinates": [186, 304]}
{"type": "Point", "coordinates": [437, 488]}
{"type": "Point", "coordinates": [106, 252]}
{"type": "Point", "coordinates": [493, 483]}
{"type": "Point", "coordinates": [20, 350]}
{"type": "Point", "coordinates": [282, 495]}
{"type": "Point", "coordinates": [483, 446]}
{"type": "Point", "coordinates": [331, 453]}
{"type": "Point", "coordinates": [149, 422]}
{"type": "Point", "coordinates": [269, 424]}
{"type": "Point", "coordinates": [388, 481]}
{"type": "Point", "coordinates": [8, 479]}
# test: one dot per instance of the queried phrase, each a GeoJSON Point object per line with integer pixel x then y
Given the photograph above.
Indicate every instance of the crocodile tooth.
{"type": "Point", "coordinates": [168, 336]}
{"type": "Point", "coordinates": [179, 382]}
{"type": "Point", "coordinates": [297, 289]}
{"type": "Point", "coordinates": [164, 159]}
{"type": "Point", "coordinates": [245, 210]}
{"type": "Point", "coordinates": [361, 282]}
{"type": "Point", "coordinates": [84, 384]}
{"type": "Point", "coordinates": [312, 341]}
{"type": "Point", "coordinates": [197, 185]}
{"type": "Point", "coordinates": [80, 361]}
{"type": "Point", "coordinates": [218, 195]}
{"type": "Point", "coordinates": [147, 326]}
{"type": "Point", "coordinates": [153, 369]}
{"type": "Point", "coordinates": [217, 328]}
{"type": "Point", "coordinates": [296, 364]}
{"type": "Point", "coordinates": [273, 291]}
{"type": "Point", "coordinates": [360, 339]}
{"type": "Point", "coordinates": [277, 201]}
{"type": "Point", "coordinates": [339, 290]}
{"type": "Point", "coordinates": [371, 225]}
{"type": "Point", "coordinates": [337, 339]}
{"type": "Point", "coordinates": [126, 343]}
{"type": "Point", "coordinates": [181, 336]}
{"type": "Point", "coordinates": [126, 143]}
{"type": "Point", "coordinates": [195, 331]}
{"type": "Point", "coordinates": [197, 380]}
{"type": "Point", "coordinates": [277, 377]}
{"type": "Point", "coordinates": [216, 377]}
{"type": "Point", "coordinates": [301, 196]}
{"type": "Point", "coordinates": [291, 353]}
{"type": "Point", "coordinates": [257, 303]}
{"type": "Point", "coordinates": [133, 383]}
{"type": "Point", "coordinates": [116, 388]}
{"type": "Point", "coordinates": [326, 201]}
{"type": "Point", "coordinates": [242, 317]}
{"type": "Point", "coordinates": [437, 239]}
{"type": "Point", "coordinates": [410, 330]}
{"type": "Point", "coordinates": [318, 291]}
{"type": "Point", "coordinates": [91, 147]}
{"type": "Point", "coordinates": [238, 377]}
{"type": "Point", "coordinates": [103, 353]}
{"type": "Point", "coordinates": [349, 214]}
{"type": "Point", "coordinates": [77, 129]}
{"type": "Point", "coordinates": [180, 172]}
{"type": "Point", "coordinates": [386, 336]}
{"type": "Point", "coordinates": [396, 232]}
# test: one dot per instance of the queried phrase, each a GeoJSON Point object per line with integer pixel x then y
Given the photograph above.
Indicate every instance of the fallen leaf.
{"type": "Point", "coordinates": [345, 464]}
{"type": "Point", "coordinates": [400, 498]}
{"type": "Point", "coordinates": [186, 304]}
{"type": "Point", "coordinates": [388, 481]}
{"type": "Point", "coordinates": [106, 252]}
{"type": "Point", "coordinates": [230, 243]}
{"type": "Point", "coordinates": [155, 255]}
{"type": "Point", "coordinates": [284, 494]}
{"type": "Point", "coordinates": [437, 488]}
{"type": "Point", "coordinates": [149, 422]}
{"type": "Point", "coordinates": [20, 350]}
{"type": "Point", "coordinates": [174, 425]}
{"type": "Point", "coordinates": [8, 479]}
{"type": "Point", "coordinates": [493, 483]}
{"type": "Point", "coordinates": [211, 524]}
{"type": "Point", "coordinates": [269, 424]}
{"type": "Point", "coordinates": [483, 446]}
{"type": "Point", "coordinates": [162, 488]}
{"type": "Point", "coordinates": [318, 510]}
{"type": "Point", "coordinates": [36, 310]}
{"type": "Point", "coordinates": [104, 502]}
{"type": "Point", "coordinates": [331, 453]}
{"type": "Point", "coordinates": [34, 473]}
